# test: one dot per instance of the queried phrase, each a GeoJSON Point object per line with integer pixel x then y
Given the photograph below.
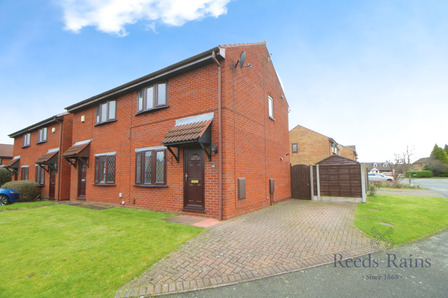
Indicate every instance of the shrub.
{"type": "Point", "coordinates": [29, 190]}
{"type": "Point", "coordinates": [372, 189]}
{"type": "Point", "coordinates": [5, 176]}
{"type": "Point", "coordinates": [419, 174]}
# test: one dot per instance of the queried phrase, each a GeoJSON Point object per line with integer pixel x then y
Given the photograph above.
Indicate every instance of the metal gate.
{"type": "Point", "coordinates": [300, 182]}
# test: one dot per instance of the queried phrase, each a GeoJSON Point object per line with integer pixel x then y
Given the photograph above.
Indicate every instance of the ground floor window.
{"type": "Point", "coordinates": [24, 173]}
{"type": "Point", "coordinates": [150, 166]}
{"type": "Point", "coordinates": [40, 175]}
{"type": "Point", "coordinates": [105, 168]}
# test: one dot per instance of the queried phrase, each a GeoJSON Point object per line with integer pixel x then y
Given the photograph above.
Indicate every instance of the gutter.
{"type": "Point", "coordinates": [59, 158]}
{"type": "Point", "coordinates": [220, 171]}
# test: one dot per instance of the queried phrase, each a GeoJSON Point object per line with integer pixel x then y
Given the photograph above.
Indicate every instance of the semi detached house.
{"type": "Point", "coordinates": [206, 136]}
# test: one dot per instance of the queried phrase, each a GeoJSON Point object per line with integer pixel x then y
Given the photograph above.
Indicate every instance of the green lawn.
{"type": "Point", "coordinates": [20, 205]}
{"type": "Point", "coordinates": [411, 217]}
{"type": "Point", "coordinates": [67, 251]}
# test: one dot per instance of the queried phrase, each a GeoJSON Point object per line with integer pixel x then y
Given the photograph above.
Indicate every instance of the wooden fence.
{"type": "Point", "coordinates": [329, 181]}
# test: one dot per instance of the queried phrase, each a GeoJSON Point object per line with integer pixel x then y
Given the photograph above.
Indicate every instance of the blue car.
{"type": "Point", "coordinates": [8, 196]}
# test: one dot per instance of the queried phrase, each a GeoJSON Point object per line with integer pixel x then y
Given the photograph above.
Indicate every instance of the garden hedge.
{"type": "Point", "coordinates": [419, 174]}
{"type": "Point", "coordinates": [29, 190]}
{"type": "Point", "coordinates": [5, 176]}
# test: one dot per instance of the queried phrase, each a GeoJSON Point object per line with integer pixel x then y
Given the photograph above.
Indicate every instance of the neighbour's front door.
{"type": "Point", "coordinates": [194, 179]}
{"type": "Point", "coordinates": [82, 174]}
{"type": "Point", "coordinates": [52, 184]}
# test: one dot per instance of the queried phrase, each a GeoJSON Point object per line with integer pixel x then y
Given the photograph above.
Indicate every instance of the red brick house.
{"type": "Point", "coordinates": [206, 136]}
{"type": "Point", "coordinates": [6, 153]}
{"type": "Point", "coordinates": [37, 156]}
{"type": "Point", "coordinates": [309, 147]}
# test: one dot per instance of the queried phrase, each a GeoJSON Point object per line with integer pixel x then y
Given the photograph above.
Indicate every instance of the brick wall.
{"type": "Point", "coordinates": [29, 156]}
{"type": "Point", "coordinates": [312, 146]}
{"type": "Point", "coordinates": [348, 152]}
{"type": "Point", "coordinates": [252, 143]}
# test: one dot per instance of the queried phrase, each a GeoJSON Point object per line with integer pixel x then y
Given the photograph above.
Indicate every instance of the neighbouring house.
{"type": "Point", "coordinates": [377, 167]}
{"type": "Point", "coordinates": [206, 136]}
{"type": "Point", "coordinates": [421, 163]}
{"type": "Point", "coordinates": [309, 147]}
{"type": "Point", "coordinates": [37, 156]}
{"type": "Point", "coordinates": [6, 153]}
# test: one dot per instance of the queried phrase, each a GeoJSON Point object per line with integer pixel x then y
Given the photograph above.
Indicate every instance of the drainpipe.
{"type": "Point", "coordinates": [58, 198]}
{"type": "Point", "coordinates": [220, 171]}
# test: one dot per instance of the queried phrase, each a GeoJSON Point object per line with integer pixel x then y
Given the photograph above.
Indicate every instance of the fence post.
{"type": "Point", "coordinates": [363, 183]}
{"type": "Point", "coordinates": [312, 182]}
{"type": "Point", "coordinates": [318, 182]}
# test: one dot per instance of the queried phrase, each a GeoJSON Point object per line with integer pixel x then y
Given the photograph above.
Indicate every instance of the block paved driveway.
{"type": "Point", "coordinates": [286, 237]}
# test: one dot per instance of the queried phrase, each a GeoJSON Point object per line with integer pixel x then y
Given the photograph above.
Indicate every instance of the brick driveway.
{"type": "Point", "coordinates": [286, 237]}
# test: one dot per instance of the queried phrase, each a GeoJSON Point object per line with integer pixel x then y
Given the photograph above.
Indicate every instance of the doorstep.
{"type": "Point", "coordinates": [194, 221]}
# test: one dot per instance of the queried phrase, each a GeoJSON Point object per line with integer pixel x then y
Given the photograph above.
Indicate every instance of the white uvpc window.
{"type": "Point", "coordinates": [42, 135]}
{"type": "Point", "coordinates": [271, 107]}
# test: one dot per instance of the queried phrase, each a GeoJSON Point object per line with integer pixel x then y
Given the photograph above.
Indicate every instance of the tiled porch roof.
{"type": "Point", "coordinates": [186, 133]}
{"type": "Point", "coordinates": [79, 149]}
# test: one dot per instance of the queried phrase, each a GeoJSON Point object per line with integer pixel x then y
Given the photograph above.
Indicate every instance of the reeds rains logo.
{"type": "Point", "coordinates": [382, 238]}
{"type": "Point", "coordinates": [392, 260]}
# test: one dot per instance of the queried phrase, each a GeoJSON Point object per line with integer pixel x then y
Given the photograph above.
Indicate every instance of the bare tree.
{"type": "Point", "coordinates": [402, 164]}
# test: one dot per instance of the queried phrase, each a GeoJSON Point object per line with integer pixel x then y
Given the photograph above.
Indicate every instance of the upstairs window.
{"type": "Point", "coordinates": [26, 140]}
{"type": "Point", "coordinates": [150, 167]}
{"type": "Point", "coordinates": [42, 135]}
{"type": "Point", "coordinates": [152, 97]}
{"type": "Point", "coordinates": [40, 175]}
{"type": "Point", "coordinates": [294, 148]}
{"type": "Point", "coordinates": [271, 107]}
{"type": "Point", "coordinates": [105, 169]}
{"type": "Point", "coordinates": [106, 112]}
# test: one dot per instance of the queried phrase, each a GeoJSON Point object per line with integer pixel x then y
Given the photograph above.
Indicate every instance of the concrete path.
{"type": "Point", "coordinates": [286, 237]}
{"type": "Point", "coordinates": [439, 185]}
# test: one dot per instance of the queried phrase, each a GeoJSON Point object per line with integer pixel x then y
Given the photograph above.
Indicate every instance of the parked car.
{"type": "Point", "coordinates": [388, 174]}
{"type": "Point", "coordinates": [8, 196]}
{"type": "Point", "coordinates": [379, 177]}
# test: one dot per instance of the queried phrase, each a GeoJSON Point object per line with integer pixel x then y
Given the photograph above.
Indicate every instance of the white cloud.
{"type": "Point", "coordinates": [111, 16]}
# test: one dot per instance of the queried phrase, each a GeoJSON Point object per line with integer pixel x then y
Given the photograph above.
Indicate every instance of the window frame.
{"type": "Point", "coordinates": [42, 135]}
{"type": "Point", "coordinates": [98, 170]}
{"type": "Point", "coordinates": [24, 170]}
{"type": "Point", "coordinates": [142, 96]}
{"type": "Point", "coordinates": [100, 112]}
{"type": "Point", "coordinates": [296, 148]}
{"type": "Point", "coordinates": [26, 140]}
{"type": "Point", "coordinates": [40, 175]}
{"type": "Point", "coordinates": [271, 107]}
{"type": "Point", "coordinates": [140, 167]}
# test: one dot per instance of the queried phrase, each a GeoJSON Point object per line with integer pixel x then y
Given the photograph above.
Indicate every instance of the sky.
{"type": "Point", "coordinates": [369, 73]}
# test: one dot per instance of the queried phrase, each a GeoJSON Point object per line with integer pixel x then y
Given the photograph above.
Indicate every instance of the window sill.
{"type": "Point", "coordinates": [41, 185]}
{"type": "Point", "coordinates": [271, 118]}
{"type": "Point", "coordinates": [106, 122]}
{"type": "Point", "coordinates": [151, 110]}
{"type": "Point", "coordinates": [104, 184]}
{"type": "Point", "coordinates": [150, 186]}
{"type": "Point", "coordinates": [42, 142]}
{"type": "Point", "coordinates": [26, 146]}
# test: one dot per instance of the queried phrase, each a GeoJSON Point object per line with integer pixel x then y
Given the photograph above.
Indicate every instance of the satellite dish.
{"type": "Point", "coordinates": [241, 61]}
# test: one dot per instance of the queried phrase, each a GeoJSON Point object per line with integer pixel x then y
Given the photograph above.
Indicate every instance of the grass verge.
{"type": "Point", "coordinates": [23, 205]}
{"type": "Point", "coordinates": [411, 217]}
{"type": "Point", "coordinates": [67, 251]}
